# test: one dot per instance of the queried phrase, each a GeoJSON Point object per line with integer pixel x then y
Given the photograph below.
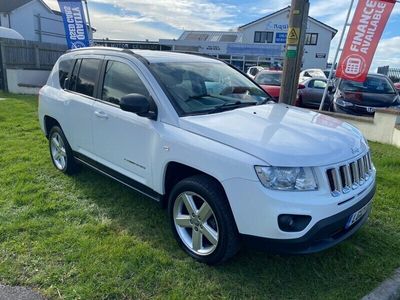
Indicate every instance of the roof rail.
{"type": "Point", "coordinates": [124, 50]}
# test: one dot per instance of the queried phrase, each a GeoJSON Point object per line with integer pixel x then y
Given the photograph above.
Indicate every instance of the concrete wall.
{"type": "Point", "coordinates": [396, 136]}
{"type": "Point", "coordinates": [383, 128]}
{"type": "Point", "coordinates": [26, 81]}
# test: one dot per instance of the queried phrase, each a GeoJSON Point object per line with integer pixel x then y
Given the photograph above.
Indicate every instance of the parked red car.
{"type": "Point", "coordinates": [270, 81]}
{"type": "Point", "coordinates": [397, 86]}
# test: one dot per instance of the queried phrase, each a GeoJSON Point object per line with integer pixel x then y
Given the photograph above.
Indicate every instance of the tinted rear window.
{"type": "Point", "coordinates": [87, 77]}
{"type": "Point", "coordinates": [378, 85]}
{"type": "Point", "coordinates": [64, 68]}
{"type": "Point", "coordinates": [269, 78]}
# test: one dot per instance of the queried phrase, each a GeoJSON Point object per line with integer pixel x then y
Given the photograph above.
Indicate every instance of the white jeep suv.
{"type": "Point", "coordinates": [198, 135]}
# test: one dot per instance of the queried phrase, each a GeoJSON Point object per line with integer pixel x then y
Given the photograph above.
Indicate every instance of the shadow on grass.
{"type": "Point", "coordinates": [348, 270]}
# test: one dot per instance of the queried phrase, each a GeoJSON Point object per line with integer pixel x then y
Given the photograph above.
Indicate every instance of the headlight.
{"type": "Point", "coordinates": [343, 103]}
{"type": "Point", "coordinates": [287, 179]}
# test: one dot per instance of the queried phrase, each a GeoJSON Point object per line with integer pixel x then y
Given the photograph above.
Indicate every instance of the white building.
{"type": "Point", "coordinates": [33, 19]}
{"type": "Point", "coordinates": [261, 42]}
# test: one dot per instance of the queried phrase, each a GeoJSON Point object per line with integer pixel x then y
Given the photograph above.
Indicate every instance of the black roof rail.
{"type": "Point", "coordinates": [139, 57]}
{"type": "Point", "coordinates": [124, 50]}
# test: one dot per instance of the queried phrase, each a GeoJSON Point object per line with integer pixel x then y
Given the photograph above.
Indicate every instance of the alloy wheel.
{"type": "Point", "coordinates": [195, 223]}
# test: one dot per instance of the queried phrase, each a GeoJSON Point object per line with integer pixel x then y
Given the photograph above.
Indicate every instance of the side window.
{"type": "Point", "coordinates": [121, 80]}
{"type": "Point", "coordinates": [74, 75]}
{"type": "Point", "coordinates": [319, 84]}
{"type": "Point", "coordinates": [64, 69]}
{"type": "Point", "coordinates": [87, 77]}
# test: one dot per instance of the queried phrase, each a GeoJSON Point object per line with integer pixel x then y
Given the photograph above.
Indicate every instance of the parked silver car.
{"type": "Point", "coordinates": [310, 93]}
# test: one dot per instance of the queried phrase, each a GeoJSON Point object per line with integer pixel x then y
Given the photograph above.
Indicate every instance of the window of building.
{"type": "Point", "coordinates": [228, 38]}
{"type": "Point", "coordinates": [64, 68]}
{"type": "Point", "coordinates": [87, 77]}
{"type": "Point", "coordinates": [119, 81]}
{"type": "Point", "coordinates": [311, 39]}
{"type": "Point", "coordinates": [263, 37]}
{"type": "Point", "coordinates": [197, 36]}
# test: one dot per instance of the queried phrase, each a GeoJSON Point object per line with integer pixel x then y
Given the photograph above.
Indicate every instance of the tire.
{"type": "Point", "coordinates": [202, 221]}
{"type": "Point", "coordinates": [300, 102]}
{"type": "Point", "coordinates": [61, 152]}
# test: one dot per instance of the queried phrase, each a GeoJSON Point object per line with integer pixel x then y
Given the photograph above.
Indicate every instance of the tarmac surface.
{"type": "Point", "coordinates": [18, 293]}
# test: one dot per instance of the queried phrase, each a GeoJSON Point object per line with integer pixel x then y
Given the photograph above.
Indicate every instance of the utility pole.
{"type": "Point", "coordinates": [298, 19]}
{"type": "Point", "coordinates": [91, 38]}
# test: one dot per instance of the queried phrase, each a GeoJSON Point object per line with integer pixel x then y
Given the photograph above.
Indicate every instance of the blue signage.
{"type": "Point", "coordinates": [280, 37]}
{"type": "Point", "coordinates": [74, 23]}
{"type": "Point", "coordinates": [255, 50]}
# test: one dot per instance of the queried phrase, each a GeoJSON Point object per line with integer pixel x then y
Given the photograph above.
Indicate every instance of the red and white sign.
{"type": "Point", "coordinates": [369, 21]}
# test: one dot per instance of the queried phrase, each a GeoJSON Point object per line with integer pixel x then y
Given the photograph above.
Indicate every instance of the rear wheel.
{"type": "Point", "coordinates": [202, 221]}
{"type": "Point", "coordinates": [61, 152]}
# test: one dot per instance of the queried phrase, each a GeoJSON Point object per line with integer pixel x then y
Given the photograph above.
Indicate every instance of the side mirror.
{"type": "Point", "coordinates": [138, 104]}
{"type": "Point", "coordinates": [331, 89]}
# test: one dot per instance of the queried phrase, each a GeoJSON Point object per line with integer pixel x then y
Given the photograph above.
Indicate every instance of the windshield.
{"type": "Point", "coordinates": [377, 85]}
{"type": "Point", "coordinates": [203, 87]}
{"type": "Point", "coordinates": [269, 78]}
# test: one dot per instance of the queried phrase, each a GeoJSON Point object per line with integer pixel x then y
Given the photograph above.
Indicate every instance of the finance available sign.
{"type": "Point", "coordinates": [74, 23]}
{"type": "Point", "coordinates": [366, 30]}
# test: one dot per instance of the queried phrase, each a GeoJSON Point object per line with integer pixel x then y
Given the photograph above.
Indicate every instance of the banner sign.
{"type": "Point", "coordinates": [280, 37]}
{"type": "Point", "coordinates": [74, 23]}
{"type": "Point", "coordinates": [255, 50]}
{"type": "Point", "coordinates": [366, 29]}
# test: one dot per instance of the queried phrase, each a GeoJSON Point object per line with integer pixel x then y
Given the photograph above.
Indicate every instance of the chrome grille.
{"type": "Point", "coordinates": [344, 178]}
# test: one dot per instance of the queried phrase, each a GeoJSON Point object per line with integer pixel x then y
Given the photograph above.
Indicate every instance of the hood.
{"type": "Point", "coordinates": [370, 99]}
{"type": "Point", "coordinates": [281, 135]}
{"type": "Point", "coordinates": [273, 90]}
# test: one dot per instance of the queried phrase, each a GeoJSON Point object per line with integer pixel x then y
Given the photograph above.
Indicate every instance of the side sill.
{"type": "Point", "coordinates": [129, 182]}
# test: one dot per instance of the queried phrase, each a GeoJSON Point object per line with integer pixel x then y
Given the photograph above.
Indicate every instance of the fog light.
{"type": "Point", "coordinates": [293, 223]}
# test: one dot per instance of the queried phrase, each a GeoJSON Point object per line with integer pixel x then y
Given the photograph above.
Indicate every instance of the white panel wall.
{"type": "Point", "coordinates": [25, 20]}
{"type": "Point", "coordinates": [279, 23]}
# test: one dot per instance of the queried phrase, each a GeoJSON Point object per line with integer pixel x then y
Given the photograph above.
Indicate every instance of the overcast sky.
{"type": "Point", "coordinates": [156, 19]}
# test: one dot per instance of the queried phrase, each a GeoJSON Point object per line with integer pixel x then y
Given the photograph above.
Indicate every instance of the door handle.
{"type": "Point", "coordinates": [101, 115]}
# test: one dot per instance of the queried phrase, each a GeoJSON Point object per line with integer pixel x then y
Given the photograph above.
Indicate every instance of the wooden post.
{"type": "Point", "coordinates": [4, 66]}
{"type": "Point", "coordinates": [298, 19]}
{"type": "Point", "coordinates": [37, 56]}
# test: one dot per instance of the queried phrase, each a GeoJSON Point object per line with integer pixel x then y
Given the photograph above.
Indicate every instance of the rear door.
{"type": "Point", "coordinates": [315, 92]}
{"type": "Point", "coordinates": [123, 140]}
{"type": "Point", "coordinates": [80, 97]}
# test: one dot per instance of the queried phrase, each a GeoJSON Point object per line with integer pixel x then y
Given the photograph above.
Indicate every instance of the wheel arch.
{"type": "Point", "coordinates": [49, 123]}
{"type": "Point", "coordinates": [176, 171]}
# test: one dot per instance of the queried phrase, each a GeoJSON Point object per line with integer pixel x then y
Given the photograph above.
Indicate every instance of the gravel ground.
{"type": "Point", "coordinates": [18, 293]}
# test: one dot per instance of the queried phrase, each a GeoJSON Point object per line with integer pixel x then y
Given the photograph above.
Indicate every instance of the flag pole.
{"type": "Point", "coordinates": [336, 55]}
{"type": "Point", "coordinates": [90, 25]}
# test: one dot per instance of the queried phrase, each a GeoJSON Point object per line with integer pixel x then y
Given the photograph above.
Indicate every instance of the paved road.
{"type": "Point", "coordinates": [18, 293]}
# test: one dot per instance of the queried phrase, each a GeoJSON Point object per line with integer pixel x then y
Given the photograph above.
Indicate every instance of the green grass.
{"type": "Point", "coordinates": [88, 237]}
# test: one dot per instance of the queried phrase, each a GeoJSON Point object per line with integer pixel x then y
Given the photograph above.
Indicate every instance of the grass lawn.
{"type": "Point", "coordinates": [88, 237]}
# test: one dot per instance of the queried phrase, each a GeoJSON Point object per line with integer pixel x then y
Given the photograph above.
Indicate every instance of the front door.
{"type": "Point", "coordinates": [122, 140]}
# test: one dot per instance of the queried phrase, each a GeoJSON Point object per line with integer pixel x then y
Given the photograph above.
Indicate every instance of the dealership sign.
{"type": "Point", "coordinates": [369, 21]}
{"type": "Point", "coordinates": [280, 37]}
{"type": "Point", "coordinates": [255, 50]}
{"type": "Point", "coordinates": [74, 23]}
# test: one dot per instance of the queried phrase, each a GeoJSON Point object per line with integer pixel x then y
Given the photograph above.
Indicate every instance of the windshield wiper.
{"type": "Point", "coordinates": [231, 106]}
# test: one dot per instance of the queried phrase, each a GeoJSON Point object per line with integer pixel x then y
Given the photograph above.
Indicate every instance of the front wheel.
{"type": "Point", "coordinates": [202, 221]}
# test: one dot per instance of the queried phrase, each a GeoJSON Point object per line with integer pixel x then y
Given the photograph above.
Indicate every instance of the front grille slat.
{"type": "Point", "coordinates": [344, 178]}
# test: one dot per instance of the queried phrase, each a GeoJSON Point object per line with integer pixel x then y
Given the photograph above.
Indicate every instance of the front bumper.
{"type": "Point", "coordinates": [324, 234]}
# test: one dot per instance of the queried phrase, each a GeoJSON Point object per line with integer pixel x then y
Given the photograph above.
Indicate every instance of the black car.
{"type": "Point", "coordinates": [363, 98]}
